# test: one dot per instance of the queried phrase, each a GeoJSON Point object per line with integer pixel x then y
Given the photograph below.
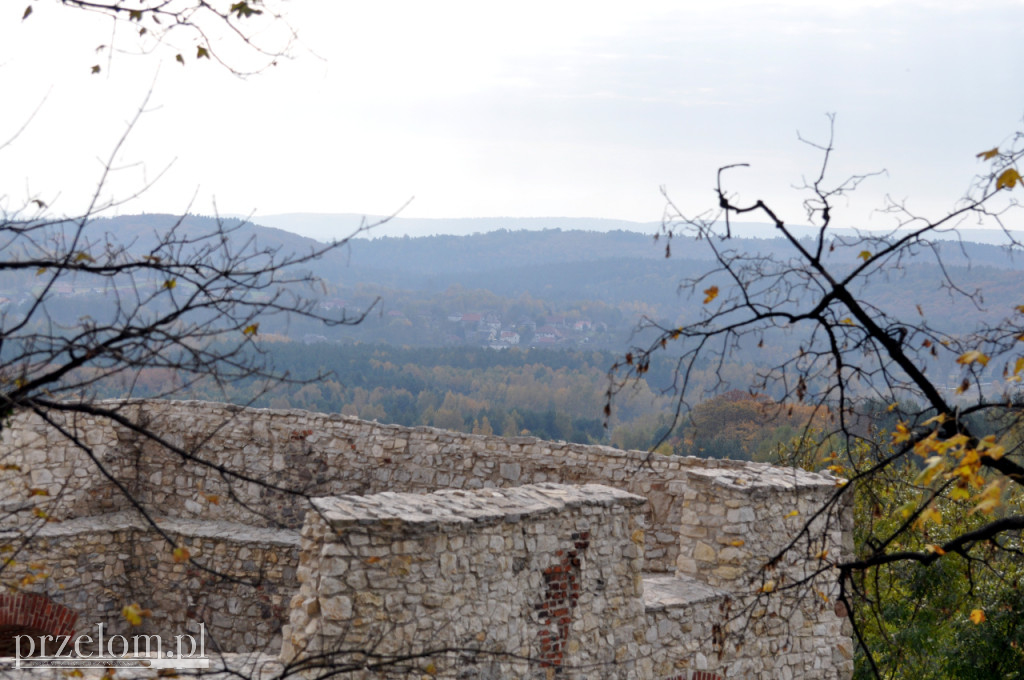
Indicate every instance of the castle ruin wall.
{"type": "Point", "coordinates": [331, 455]}
{"type": "Point", "coordinates": [707, 529]}
{"type": "Point", "coordinates": [517, 582]}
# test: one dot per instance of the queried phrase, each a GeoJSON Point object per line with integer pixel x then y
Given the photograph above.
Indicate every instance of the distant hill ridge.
{"type": "Point", "coordinates": [504, 248]}
{"type": "Point", "coordinates": [328, 226]}
{"type": "Point", "coordinates": [611, 278]}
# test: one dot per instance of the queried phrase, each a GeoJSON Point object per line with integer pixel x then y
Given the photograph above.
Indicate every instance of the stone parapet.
{"type": "Point", "coordinates": [97, 565]}
{"type": "Point", "coordinates": [315, 454]}
{"type": "Point", "coordinates": [511, 583]}
{"type": "Point", "coordinates": [505, 567]}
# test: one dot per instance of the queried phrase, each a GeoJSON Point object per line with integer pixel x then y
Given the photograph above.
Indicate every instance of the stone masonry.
{"type": "Point", "coordinates": [535, 577]}
{"type": "Point", "coordinates": [417, 539]}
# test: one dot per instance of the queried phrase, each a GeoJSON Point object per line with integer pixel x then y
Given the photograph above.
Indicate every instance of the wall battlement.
{"type": "Point", "coordinates": [692, 535]}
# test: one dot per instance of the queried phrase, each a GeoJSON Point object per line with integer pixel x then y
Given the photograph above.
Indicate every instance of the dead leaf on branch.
{"type": "Point", "coordinates": [1007, 179]}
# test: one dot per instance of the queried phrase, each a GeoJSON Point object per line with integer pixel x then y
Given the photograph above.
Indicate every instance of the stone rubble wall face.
{"type": "Point", "coordinates": [783, 646]}
{"type": "Point", "coordinates": [728, 532]}
{"type": "Point", "coordinates": [99, 568]}
{"type": "Point", "coordinates": [717, 522]}
{"type": "Point", "coordinates": [35, 455]}
{"type": "Point", "coordinates": [80, 570]}
{"type": "Point", "coordinates": [244, 616]}
{"type": "Point", "coordinates": [538, 594]}
{"type": "Point", "coordinates": [331, 455]}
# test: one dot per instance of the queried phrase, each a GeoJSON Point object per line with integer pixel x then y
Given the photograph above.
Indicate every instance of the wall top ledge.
{"type": "Point", "coordinates": [449, 507]}
{"type": "Point", "coordinates": [764, 476]}
{"type": "Point", "coordinates": [128, 520]}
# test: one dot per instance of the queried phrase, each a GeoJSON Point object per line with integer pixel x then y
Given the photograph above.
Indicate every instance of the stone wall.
{"type": "Point", "coordinates": [516, 582]}
{"type": "Point", "coordinates": [97, 565]}
{"type": "Point", "coordinates": [42, 468]}
{"type": "Point", "coordinates": [532, 582]}
{"type": "Point", "coordinates": [240, 482]}
{"type": "Point", "coordinates": [693, 628]}
{"type": "Point", "coordinates": [329, 455]}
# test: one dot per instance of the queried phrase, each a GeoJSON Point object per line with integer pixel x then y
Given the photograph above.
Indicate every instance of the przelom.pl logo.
{"type": "Point", "coordinates": [111, 651]}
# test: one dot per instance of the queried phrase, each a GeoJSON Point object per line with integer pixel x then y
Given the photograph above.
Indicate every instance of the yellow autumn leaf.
{"type": "Point", "coordinates": [768, 587]}
{"type": "Point", "coordinates": [251, 329]}
{"type": "Point", "coordinates": [822, 555]}
{"type": "Point", "coordinates": [932, 548]}
{"type": "Point", "coordinates": [972, 356]}
{"type": "Point", "coordinates": [989, 499]}
{"type": "Point", "coordinates": [1018, 365]}
{"type": "Point", "coordinates": [848, 321]}
{"type": "Point", "coordinates": [988, 155]}
{"type": "Point", "coordinates": [181, 555]}
{"type": "Point", "coordinates": [134, 613]}
{"type": "Point", "coordinates": [989, 447]}
{"type": "Point", "coordinates": [793, 513]}
{"type": "Point", "coordinates": [1007, 179]}
{"type": "Point", "coordinates": [929, 514]}
{"type": "Point", "coordinates": [901, 434]}
{"type": "Point", "coordinates": [131, 613]}
{"type": "Point", "coordinates": [935, 465]}
{"type": "Point", "coordinates": [953, 444]}
{"type": "Point", "coordinates": [710, 294]}
{"type": "Point", "coordinates": [940, 419]}
{"type": "Point", "coordinates": [170, 283]}
{"type": "Point", "coordinates": [1020, 308]}
{"type": "Point", "coordinates": [431, 669]}
{"type": "Point", "coordinates": [892, 407]}
{"type": "Point", "coordinates": [977, 616]}
{"type": "Point", "coordinates": [84, 257]}
{"type": "Point", "coordinates": [737, 543]}
{"type": "Point", "coordinates": [864, 255]}
{"type": "Point", "coordinates": [959, 493]}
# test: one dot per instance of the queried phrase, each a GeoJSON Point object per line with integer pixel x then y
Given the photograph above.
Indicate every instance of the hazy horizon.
{"type": "Point", "coordinates": [325, 226]}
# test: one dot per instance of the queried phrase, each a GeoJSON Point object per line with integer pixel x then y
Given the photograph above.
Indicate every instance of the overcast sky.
{"type": "Point", "coordinates": [482, 109]}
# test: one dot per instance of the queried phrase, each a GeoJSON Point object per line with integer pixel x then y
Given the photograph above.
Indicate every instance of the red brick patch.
{"type": "Point", "coordinates": [36, 611]}
{"type": "Point", "coordinates": [560, 596]}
